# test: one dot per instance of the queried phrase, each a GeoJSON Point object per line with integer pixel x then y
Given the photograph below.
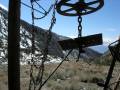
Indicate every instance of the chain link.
{"type": "Point", "coordinates": [79, 26]}
{"type": "Point", "coordinates": [45, 51]}
{"type": "Point", "coordinates": [33, 29]}
{"type": "Point", "coordinates": [36, 81]}
{"type": "Point", "coordinates": [32, 79]}
{"type": "Point", "coordinates": [79, 35]}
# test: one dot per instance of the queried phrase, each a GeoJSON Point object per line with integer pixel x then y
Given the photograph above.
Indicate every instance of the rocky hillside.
{"type": "Point", "coordinates": [40, 39]}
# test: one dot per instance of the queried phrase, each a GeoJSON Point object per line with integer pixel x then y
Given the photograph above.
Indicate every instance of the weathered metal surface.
{"type": "Point", "coordinates": [79, 8]}
{"type": "Point", "coordinates": [115, 51]}
{"type": "Point", "coordinates": [86, 41]}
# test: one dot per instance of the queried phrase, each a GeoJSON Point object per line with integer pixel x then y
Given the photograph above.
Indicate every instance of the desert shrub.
{"type": "Point", "coordinates": [102, 61]}
{"type": "Point", "coordinates": [74, 87]}
{"type": "Point", "coordinates": [96, 80]}
{"type": "Point", "coordinates": [50, 83]}
{"type": "Point", "coordinates": [57, 87]}
{"type": "Point", "coordinates": [58, 75]}
{"type": "Point", "coordinates": [69, 73]}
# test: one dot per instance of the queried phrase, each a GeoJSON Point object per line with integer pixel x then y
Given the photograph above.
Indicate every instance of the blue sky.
{"type": "Point", "coordinates": [105, 21]}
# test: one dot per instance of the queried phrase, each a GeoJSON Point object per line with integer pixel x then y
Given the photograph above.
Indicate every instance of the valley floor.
{"type": "Point", "coordinates": [70, 76]}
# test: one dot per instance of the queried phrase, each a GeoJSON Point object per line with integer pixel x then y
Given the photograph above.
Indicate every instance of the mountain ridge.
{"type": "Point", "coordinates": [40, 39]}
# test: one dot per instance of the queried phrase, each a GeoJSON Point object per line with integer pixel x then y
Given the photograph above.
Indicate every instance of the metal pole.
{"type": "Point", "coordinates": [13, 45]}
{"type": "Point", "coordinates": [109, 74]}
{"type": "Point", "coordinates": [110, 69]}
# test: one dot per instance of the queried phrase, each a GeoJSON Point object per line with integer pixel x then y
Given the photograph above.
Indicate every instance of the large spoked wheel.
{"type": "Point", "coordinates": [82, 7]}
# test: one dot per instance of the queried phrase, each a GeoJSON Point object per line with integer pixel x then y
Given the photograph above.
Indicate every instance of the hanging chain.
{"type": "Point", "coordinates": [79, 26]}
{"type": "Point", "coordinates": [37, 81]}
{"type": "Point", "coordinates": [43, 13]}
{"type": "Point", "coordinates": [53, 21]}
{"type": "Point", "coordinates": [45, 51]}
{"type": "Point", "coordinates": [33, 29]}
{"type": "Point", "coordinates": [79, 35]}
{"type": "Point", "coordinates": [32, 79]}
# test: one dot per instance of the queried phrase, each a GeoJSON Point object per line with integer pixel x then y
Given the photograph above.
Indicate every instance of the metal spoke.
{"type": "Point", "coordinates": [71, 9]}
{"type": "Point", "coordinates": [87, 7]}
{"type": "Point", "coordinates": [68, 4]}
{"type": "Point", "coordinates": [90, 8]}
{"type": "Point", "coordinates": [94, 2]}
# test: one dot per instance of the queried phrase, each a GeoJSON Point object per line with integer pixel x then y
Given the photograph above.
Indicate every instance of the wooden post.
{"type": "Point", "coordinates": [13, 45]}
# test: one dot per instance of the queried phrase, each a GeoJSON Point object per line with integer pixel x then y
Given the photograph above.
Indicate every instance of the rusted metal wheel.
{"type": "Point", "coordinates": [81, 7]}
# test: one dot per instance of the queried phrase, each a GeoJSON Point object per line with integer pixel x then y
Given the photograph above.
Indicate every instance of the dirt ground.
{"type": "Point", "coordinates": [70, 76]}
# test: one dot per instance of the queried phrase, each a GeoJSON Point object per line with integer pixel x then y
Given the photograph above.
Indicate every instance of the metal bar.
{"type": "Point", "coordinates": [86, 41]}
{"type": "Point", "coordinates": [110, 70]}
{"type": "Point", "coordinates": [13, 45]}
{"type": "Point", "coordinates": [109, 74]}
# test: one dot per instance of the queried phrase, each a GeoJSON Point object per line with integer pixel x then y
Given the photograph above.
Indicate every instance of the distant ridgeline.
{"type": "Point", "coordinates": [55, 50]}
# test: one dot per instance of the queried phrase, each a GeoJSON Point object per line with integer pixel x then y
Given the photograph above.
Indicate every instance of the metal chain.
{"type": "Point", "coordinates": [33, 29]}
{"type": "Point", "coordinates": [79, 26]}
{"type": "Point", "coordinates": [45, 51]}
{"type": "Point", "coordinates": [32, 79]}
{"type": "Point", "coordinates": [43, 13]}
{"type": "Point", "coordinates": [79, 35]}
{"type": "Point", "coordinates": [37, 81]}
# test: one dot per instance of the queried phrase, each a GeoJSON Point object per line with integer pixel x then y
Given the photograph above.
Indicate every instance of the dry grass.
{"type": "Point", "coordinates": [3, 78]}
{"type": "Point", "coordinates": [70, 76]}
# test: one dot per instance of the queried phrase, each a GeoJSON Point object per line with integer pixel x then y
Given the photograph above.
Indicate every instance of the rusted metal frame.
{"type": "Point", "coordinates": [86, 41]}
{"type": "Point", "coordinates": [110, 72]}
{"type": "Point", "coordinates": [14, 45]}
